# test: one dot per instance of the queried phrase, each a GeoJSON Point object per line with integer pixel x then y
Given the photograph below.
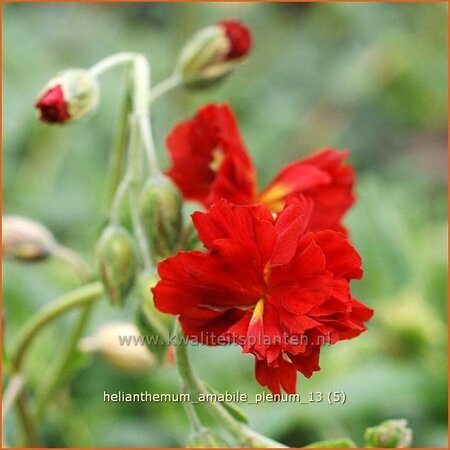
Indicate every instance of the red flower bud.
{"type": "Point", "coordinates": [68, 97]}
{"type": "Point", "coordinates": [239, 38]}
{"type": "Point", "coordinates": [52, 106]}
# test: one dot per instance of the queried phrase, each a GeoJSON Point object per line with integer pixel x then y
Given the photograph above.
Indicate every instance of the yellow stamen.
{"type": "Point", "coordinates": [217, 159]}
{"type": "Point", "coordinates": [274, 197]}
{"type": "Point", "coordinates": [258, 311]}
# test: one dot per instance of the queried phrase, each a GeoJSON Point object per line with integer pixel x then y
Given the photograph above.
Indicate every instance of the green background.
{"type": "Point", "coordinates": [367, 77]}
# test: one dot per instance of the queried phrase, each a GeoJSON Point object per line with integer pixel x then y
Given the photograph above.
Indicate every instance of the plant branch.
{"type": "Point", "coordinates": [244, 435]}
{"type": "Point", "coordinates": [163, 87]}
{"type": "Point", "coordinates": [111, 61]}
{"type": "Point", "coordinates": [56, 373]}
{"type": "Point", "coordinates": [75, 260]}
{"type": "Point", "coordinates": [79, 297]}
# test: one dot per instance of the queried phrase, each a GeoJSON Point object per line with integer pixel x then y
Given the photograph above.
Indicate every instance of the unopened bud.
{"type": "Point", "coordinates": [68, 97]}
{"type": "Point", "coordinates": [117, 258]}
{"type": "Point", "coordinates": [389, 434]}
{"type": "Point", "coordinates": [121, 345]}
{"type": "Point", "coordinates": [206, 438]}
{"type": "Point", "coordinates": [160, 205]}
{"type": "Point", "coordinates": [213, 53]}
{"type": "Point", "coordinates": [26, 240]}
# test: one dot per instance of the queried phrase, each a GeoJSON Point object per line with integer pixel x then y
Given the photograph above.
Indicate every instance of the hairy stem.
{"type": "Point", "coordinates": [163, 87]}
{"type": "Point", "coordinates": [56, 373]}
{"type": "Point", "coordinates": [119, 147]}
{"type": "Point", "coordinates": [29, 428]}
{"type": "Point", "coordinates": [111, 61]}
{"type": "Point", "coordinates": [75, 260]}
{"type": "Point", "coordinates": [243, 434]}
{"type": "Point", "coordinates": [79, 297]}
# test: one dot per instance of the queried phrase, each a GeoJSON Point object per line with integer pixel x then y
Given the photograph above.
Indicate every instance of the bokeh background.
{"type": "Point", "coordinates": [368, 77]}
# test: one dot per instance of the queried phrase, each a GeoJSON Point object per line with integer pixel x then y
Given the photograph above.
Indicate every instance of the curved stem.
{"type": "Point", "coordinates": [111, 61]}
{"type": "Point", "coordinates": [53, 378]}
{"type": "Point", "coordinates": [75, 260]}
{"type": "Point", "coordinates": [163, 87]}
{"type": "Point", "coordinates": [79, 297]}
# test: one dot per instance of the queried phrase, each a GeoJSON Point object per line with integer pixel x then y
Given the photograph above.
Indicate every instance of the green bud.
{"type": "Point", "coordinates": [26, 240]}
{"type": "Point", "coordinates": [206, 438]}
{"type": "Point", "coordinates": [117, 257]}
{"type": "Point", "coordinates": [389, 434]}
{"type": "Point", "coordinates": [160, 206]}
{"type": "Point", "coordinates": [202, 61]}
{"type": "Point", "coordinates": [150, 321]}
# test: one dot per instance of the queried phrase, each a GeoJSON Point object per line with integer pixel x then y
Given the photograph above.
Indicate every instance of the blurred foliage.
{"type": "Point", "coordinates": [370, 77]}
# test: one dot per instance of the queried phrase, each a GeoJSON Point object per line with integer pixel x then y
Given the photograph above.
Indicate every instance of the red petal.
{"type": "Point", "coordinates": [341, 257]}
{"type": "Point", "coordinates": [274, 377]}
{"type": "Point", "coordinates": [192, 145]}
{"type": "Point", "coordinates": [239, 37]}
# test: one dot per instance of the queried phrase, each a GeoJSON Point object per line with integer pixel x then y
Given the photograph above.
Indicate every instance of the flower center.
{"type": "Point", "coordinates": [258, 311]}
{"type": "Point", "coordinates": [217, 159]}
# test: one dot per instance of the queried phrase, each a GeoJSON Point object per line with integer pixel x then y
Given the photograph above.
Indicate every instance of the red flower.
{"type": "Point", "coordinates": [266, 284]}
{"type": "Point", "coordinates": [324, 178]}
{"type": "Point", "coordinates": [239, 37]}
{"type": "Point", "coordinates": [209, 159]}
{"type": "Point", "coordinates": [52, 106]}
{"type": "Point", "coordinates": [210, 162]}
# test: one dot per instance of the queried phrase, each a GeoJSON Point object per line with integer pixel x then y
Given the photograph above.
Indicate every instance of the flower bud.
{"type": "Point", "coordinates": [68, 97]}
{"type": "Point", "coordinates": [26, 240]}
{"type": "Point", "coordinates": [117, 258]}
{"type": "Point", "coordinates": [122, 346]}
{"type": "Point", "coordinates": [206, 438]}
{"type": "Point", "coordinates": [160, 205]}
{"type": "Point", "coordinates": [213, 53]}
{"type": "Point", "coordinates": [389, 434]}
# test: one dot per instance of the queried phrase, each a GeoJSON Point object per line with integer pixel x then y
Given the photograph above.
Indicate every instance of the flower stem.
{"type": "Point", "coordinates": [75, 260]}
{"type": "Point", "coordinates": [141, 110]}
{"type": "Point", "coordinates": [10, 395]}
{"type": "Point", "coordinates": [31, 439]}
{"type": "Point", "coordinates": [135, 168]}
{"type": "Point", "coordinates": [56, 373]}
{"type": "Point", "coordinates": [111, 61]}
{"type": "Point", "coordinates": [163, 87]}
{"type": "Point", "coordinates": [244, 435]}
{"type": "Point", "coordinates": [79, 297]}
{"type": "Point", "coordinates": [119, 147]}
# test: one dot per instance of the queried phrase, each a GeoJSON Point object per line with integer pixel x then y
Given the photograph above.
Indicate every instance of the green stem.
{"type": "Point", "coordinates": [29, 428]}
{"type": "Point", "coordinates": [244, 435]}
{"type": "Point", "coordinates": [118, 150]}
{"type": "Point", "coordinates": [111, 61]}
{"type": "Point", "coordinates": [163, 87]}
{"type": "Point", "coordinates": [75, 260]}
{"type": "Point", "coordinates": [190, 410]}
{"type": "Point", "coordinates": [141, 110]}
{"type": "Point", "coordinates": [56, 373]}
{"type": "Point", "coordinates": [79, 297]}
{"type": "Point", "coordinates": [136, 175]}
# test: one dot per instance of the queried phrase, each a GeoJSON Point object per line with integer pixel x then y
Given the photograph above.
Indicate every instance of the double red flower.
{"type": "Point", "coordinates": [268, 284]}
{"type": "Point", "coordinates": [210, 162]}
{"type": "Point", "coordinates": [275, 274]}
